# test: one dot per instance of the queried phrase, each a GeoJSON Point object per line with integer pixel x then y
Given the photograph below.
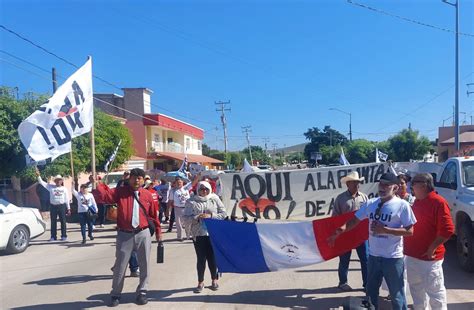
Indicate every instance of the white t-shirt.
{"type": "Point", "coordinates": [181, 195]}
{"type": "Point", "coordinates": [85, 202]}
{"type": "Point", "coordinates": [395, 213]}
{"type": "Point", "coordinates": [58, 195]}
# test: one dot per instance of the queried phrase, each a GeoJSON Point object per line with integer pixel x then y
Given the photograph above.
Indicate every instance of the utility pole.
{"type": "Point", "coordinates": [247, 130]}
{"type": "Point", "coordinates": [222, 109]}
{"type": "Point", "coordinates": [274, 145]}
{"type": "Point", "coordinates": [350, 120]}
{"type": "Point", "coordinates": [265, 141]}
{"type": "Point", "coordinates": [456, 77]}
{"type": "Point", "coordinates": [468, 86]}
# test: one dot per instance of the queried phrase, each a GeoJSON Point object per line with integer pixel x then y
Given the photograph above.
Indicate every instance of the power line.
{"type": "Point", "coordinates": [406, 19]}
{"type": "Point", "coordinates": [426, 103]}
{"type": "Point", "coordinates": [75, 66]}
{"type": "Point", "coordinates": [95, 98]}
{"type": "Point", "coordinates": [24, 69]}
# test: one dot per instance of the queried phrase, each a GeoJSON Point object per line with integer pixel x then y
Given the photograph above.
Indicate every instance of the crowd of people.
{"type": "Point", "coordinates": [406, 233]}
{"type": "Point", "coordinates": [143, 205]}
{"type": "Point", "coordinates": [408, 225]}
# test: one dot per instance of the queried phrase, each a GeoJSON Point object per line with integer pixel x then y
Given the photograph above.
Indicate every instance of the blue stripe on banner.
{"type": "Point", "coordinates": [236, 246]}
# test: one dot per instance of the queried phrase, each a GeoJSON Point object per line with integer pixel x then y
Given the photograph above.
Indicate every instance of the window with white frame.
{"type": "Point", "coordinates": [199, 145]}
{"type": "Point", "coordinates": [188, 143]}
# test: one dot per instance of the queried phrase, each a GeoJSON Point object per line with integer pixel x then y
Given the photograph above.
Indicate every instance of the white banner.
{"type": "Point", "coordinates": [293, 194]}
{"type": "Point", "coordinates": [67, 114]}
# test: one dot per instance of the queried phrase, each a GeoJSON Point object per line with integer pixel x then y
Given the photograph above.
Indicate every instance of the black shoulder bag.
{"type": "Point", "coordinates": [151, 224]}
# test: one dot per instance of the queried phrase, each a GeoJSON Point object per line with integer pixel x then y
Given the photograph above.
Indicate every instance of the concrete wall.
{"type": "Point", "coordinates": [114, 99]}
{"type": "Point", "coordinates": [446, 151]}
{"type": "Point", "coordinates": [138, 132]}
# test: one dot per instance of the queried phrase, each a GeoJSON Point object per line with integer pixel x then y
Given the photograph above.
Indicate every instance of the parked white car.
{"type": "Point", "coordinates": [18, 226]}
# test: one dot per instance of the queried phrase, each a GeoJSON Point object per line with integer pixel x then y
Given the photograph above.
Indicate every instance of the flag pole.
{"type": "Point", "coordinates": [55, 87]}
{"type": "Point", "coordinates": [108, 170]}
{"type": "Point", "coordinates": [110, 167]}
{"type": "Point", "coordinates": [92, 137]}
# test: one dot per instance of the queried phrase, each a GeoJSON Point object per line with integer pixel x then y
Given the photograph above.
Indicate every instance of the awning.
{"type": "Point", "coordinates": [192, 158]}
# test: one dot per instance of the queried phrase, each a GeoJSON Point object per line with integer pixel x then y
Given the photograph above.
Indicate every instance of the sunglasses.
{"type": "Point", "coordinates": [204, 189]}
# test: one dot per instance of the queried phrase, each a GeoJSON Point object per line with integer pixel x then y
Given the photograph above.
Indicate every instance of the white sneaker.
{"type": "Point", "coordinates": [101, 225]}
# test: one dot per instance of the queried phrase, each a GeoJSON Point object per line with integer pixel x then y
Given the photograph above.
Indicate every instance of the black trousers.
{"type": "Point", "coordinates": [55, 211]}
{"type": "Point", "coordinates": [204, 252]}
{"type": "Point", "coordinates": [102, 209]}
{"type": "Point", "coordinates": [163, 207]}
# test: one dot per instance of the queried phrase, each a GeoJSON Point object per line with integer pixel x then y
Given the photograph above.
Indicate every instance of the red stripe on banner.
{"type": "Point", "coordinates": [347, 241]}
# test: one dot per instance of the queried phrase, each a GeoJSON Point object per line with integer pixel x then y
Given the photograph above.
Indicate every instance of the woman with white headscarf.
{"type": "Point", "coordinates": [204, 204]}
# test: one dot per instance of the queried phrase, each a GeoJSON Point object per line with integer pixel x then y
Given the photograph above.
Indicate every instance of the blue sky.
{"type": "Point", "coordinates": [282, 64]}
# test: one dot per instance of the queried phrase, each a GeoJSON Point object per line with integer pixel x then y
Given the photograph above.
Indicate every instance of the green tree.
{"type": "Point", "coordinates": [234, 159]}
{"type": "Point", "coordinates": [360, 151]}
{"type": "Point", "coordinates": [258, 154]}
{"type": "Point", "coordinates": [319, 138]}
{"type": "Point", "coordinates": [206, 150]}
{"type": "Point", "coordinates": [295, 157]}
{"type": "Point", "coordinates": [108, 132]}
{"type": "Point", "coordinates": [330, 154]}
{"type": "Point", "coordinates": [408, 144]}
{"type": "Point", "coordinates": [12, 113]}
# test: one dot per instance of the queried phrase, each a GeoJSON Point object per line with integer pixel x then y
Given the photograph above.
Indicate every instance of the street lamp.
{"type": "Point", "coordinates": [350, 120]}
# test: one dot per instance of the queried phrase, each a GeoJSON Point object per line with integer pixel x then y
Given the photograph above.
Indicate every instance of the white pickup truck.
{"type": "Point", "coordinates": [454, 180]}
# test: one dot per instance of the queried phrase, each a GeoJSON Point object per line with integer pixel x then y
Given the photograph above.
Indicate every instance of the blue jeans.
{"type": "Point", "coordinates": [392, 270]}
{"type": "Point", "coordinates": [345, 259]}
{"type": "Point", "coordinates": [83, 220]}
{"type": "Point", "coordinates": [133, 262]}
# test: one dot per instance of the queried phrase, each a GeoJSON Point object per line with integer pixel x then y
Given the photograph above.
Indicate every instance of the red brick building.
{"type": "Point", "coordinates": [159, 139]}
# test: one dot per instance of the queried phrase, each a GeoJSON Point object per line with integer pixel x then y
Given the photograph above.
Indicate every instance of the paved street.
{"type": "Point", "coordinates": [72, 276]}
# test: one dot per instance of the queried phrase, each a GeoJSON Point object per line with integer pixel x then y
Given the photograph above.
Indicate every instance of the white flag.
{"type": "Point", "coordinates": [382, 156]}
{"type": "Point", "coordinates": [184, 164]}
{"type": "Point", "coordinates": [112, 157]}
{"type": "Point", "coordinates": [377, 159]}
{"type": "Point", "coordinates": [246, 167]}
{"type": "Point", "coordinates": [342, 158]}
{"type": "Point", "coordinates": [69, 113]}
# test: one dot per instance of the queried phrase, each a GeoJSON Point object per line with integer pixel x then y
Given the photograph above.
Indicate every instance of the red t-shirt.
{"type": "Point", "coordinates": [155, 196]}
{"type": "Point", "coordinates": [433, 220]}
{"type": "Point", "coordinates": [124, 197]}
{"type": "Point", "coordinates": [98, 196]}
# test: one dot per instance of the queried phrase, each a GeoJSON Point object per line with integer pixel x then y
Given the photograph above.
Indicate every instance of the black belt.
{"type": "Point", "coordinates": [133, 231]}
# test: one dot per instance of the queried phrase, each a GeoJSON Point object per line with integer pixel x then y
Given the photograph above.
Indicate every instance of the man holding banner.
{"type": "Point", "coordinates": [59, 201]}
{"type": "Point", "coordinates": [346, 202]}
{"type": "Point", "coordinates": [390, 219]}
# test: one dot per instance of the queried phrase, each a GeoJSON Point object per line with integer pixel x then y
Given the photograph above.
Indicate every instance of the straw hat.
{"type": "Point", "coordinates": [352, 176]}
{"type": "Point", "coordinates": [147, 183]}
{"type": "Point", "coordinates": [58, 177]}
